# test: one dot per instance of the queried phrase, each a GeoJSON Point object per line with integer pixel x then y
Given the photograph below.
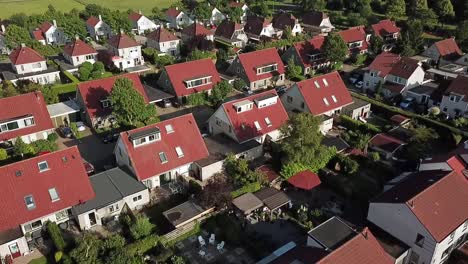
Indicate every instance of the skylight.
{"type": "Point", "coordinates": [169, 129]}
{"type": "Point", "coordinates": [29, 200]}
{"type": "Point", "coordinates": [267, 121]}
{"type": "Point", "coordinates": [53, 194]}
{"type": "Point", "coordinates": [317, 84]}
{"type": "Point", "coordinates": [334, 99]}
{"type": "Point", "coordinates": [43, 166]}
{"type": "Point", "coordinates": [179, 152]}
{"type": "Point", "coordinates": [162, 157]}
{"type": "Point", "coordinates": [257, 125]}
{"type": "Point", "coordinates": [325, 82]}
{"type": "Point", "coordinates": [326, 101]}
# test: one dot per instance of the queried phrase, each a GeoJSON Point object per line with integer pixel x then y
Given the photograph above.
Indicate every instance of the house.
{"type": "Point", "coordinates": [257, 27]}
{"type": "Point", "coordinates": [79, 52]}
{"type": "Point", "coordinates": [164, 41]}
{"type": "Point", "coordinates": [423, 210]}
{"type": "Point", "coordinates": [37, 190]}
{"type": "Point", "coordinates": [455, 98]}
{"type": "Point", "coordinates": [141, 24]}
{"type": "Point", "coordinates": [259, 69]}
{"type": "Point", "coordinates": [386, 145]}
{"type": "Point", "coordinates": [24, 116]}
{"type": "Point", "coordinates": [161, 152]}
{"type": "Point", "coordinates": [308, 55]}
{"type": "Point", "coordinates": [257, 117]}
{"type": "Point", "coordinates": [94, 98]}
{"type": "Point", "coordinates": [3, 45]}
{"type": "Point", "coordinates": [388, 32]}
{"type": "Point", "coordinates": [379, 69]}
{"type": "Point", "coordinates": [231, 33]}
{"type": "Point", "coordinates": [358, 110]}
{"type": "Point", "coordinates": [424, 93]}
{"type": "Point", "coordinates": [357, 40]}
{"type": "Point", "coordinates": [284, 20]}
{"type": "Point", "coordinates": [216, 16]}
{"type": "Point", "coordinates": [196, 31]}
{"type": "Point", "coordinates": [28, 64]}
{"type": "Point", "coordinates": [317, 22]}
{"type": "Point", "coordinates": [243, 6]}
{"type": "Point", "coordinates": [184, 79]}
{"type": "Point", "coordinates": [323, 96]}
{"type": "Point", "coordinates": [177, 18]}
{"type": "Point", "coordinates": [336, 242]}
{"type": "Point", "coordinates": [97, 28]}
{"type": "Point", "coordinates": [49, 34]}
{"type": "Point", "coordinates": [400, 120]}
{"type": "Point", "coordinates": [443, 50]}
{"type": "Point", "coordinates": [115, 190]}
{"type": "Point", "coordinates": [125, 52]}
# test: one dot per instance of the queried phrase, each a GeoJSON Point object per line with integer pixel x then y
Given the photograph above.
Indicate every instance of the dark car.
{"type": "Point", "coordinates": [281, 89]}
{"type": "Point", "coordinates": [111, 137]}
{"type": "Point", "coordinates": [165, 103]}
{"type": "Point", "coordinates": [65, 132]}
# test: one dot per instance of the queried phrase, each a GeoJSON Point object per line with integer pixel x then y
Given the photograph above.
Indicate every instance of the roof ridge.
{"type": "Point", "coordinates": [113, 183]}
{"type": "Point", "coordinates": [45, 155]}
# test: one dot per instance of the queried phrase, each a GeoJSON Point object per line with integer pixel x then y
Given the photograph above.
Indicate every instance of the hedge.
{"type": "Point", "coordinates": [251, 187]}
{"type": "Point", "coordinates": [65, 88]}
{"type": "Point", "coordinates": [56, 236]}
{"type": "Point", "coordinates": [352, 124]}
{"type": "Point", "coordinates": [143, 245]}
{"type": "Point", "coordinates": [71, 77]}
{"type": "Point", "coordinates": [377, 105]}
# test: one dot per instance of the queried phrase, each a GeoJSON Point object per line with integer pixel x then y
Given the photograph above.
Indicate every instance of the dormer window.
{"type": "Point", "coordinates": [356, 44]}
{"type": "Point", "coordinates": [267, 68]}
{"type": "Point", "coordinates": [19, 123]}
{"type": "Point", "coordinates": [243, 106]}
{"type": "Point", "coordinates": [145, 137]}
{"type": "Point", "coordinates": [162, 157]}
{"type": "Point", "coordinates": [169, 129]}
{"type": "Point", "coordinates": [29, 201]}
{"type": "Point", "coordinates": [455, 98]}
{"type": "Point", "coordinates": [198, 82]}
{"type": "Point", "coordinates": [314, 57]}
{"type": "Point", "coordinates": [179, 152]}
{"type": "Point", "coordinates": [257, 126]}
{"type": "Point", "coordinates": [105, 103]}
{"type": "Point", "coordinates": [43, 166]}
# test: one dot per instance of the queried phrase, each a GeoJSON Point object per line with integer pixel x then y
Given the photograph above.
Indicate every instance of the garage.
{"type": "Point", "coordinates": [63, 113]}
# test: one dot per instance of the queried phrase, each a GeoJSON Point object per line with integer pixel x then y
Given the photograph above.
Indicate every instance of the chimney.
{"type": "Point", "coordinates": [23, 45]}
{"type": "Point", "coordinates": [121, 31]}
{"type": "Point", "coordinates": [54, 22]}
{"type": "Point", "coordinates": [3, 28]}
{"type": "Point", "coordinates": [139, 12]}
{"type": "Point", "coordinates": [77, 37]}
{"type": "Point", "coordinates": [176, 8]}
{"type": "Point", "coordinates": [100, 18]}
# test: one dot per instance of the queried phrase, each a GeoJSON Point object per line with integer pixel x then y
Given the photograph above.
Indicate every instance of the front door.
{"type": "Point", "coordinates": [92, 219]}
{"type": "Point", "coordinates": [14, 250]}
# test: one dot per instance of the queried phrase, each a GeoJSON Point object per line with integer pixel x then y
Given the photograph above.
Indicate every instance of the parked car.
{"type": "Point", "coordinates": [359, 84]}
{"type": "Point", "coordinates": [247, 91]}
{"type": "Point", "coordinates": [80, 126]}
{"type": "Point", "coordinates": [165, 103]}
{"type": "Point", "coordinates": [111, 137]}
{"type": "Point", "coordinates": [281, 89]}
{"type": "Point", "coordinates": [65, 132]}
{"type": "Point", "coordinates": [407, 103]}
{"type": "Point", "coordinates": [88, 167]}
{"type": "Point", "coordinates": [355, 77]}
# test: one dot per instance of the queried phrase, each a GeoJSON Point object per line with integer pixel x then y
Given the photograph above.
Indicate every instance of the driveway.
{"type": "Point", "coordinates": [278, 232]}
{"type": "Point", "coordinates": [91, 148]}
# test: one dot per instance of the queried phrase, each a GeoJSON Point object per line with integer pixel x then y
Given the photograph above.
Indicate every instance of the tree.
{"type": "Point", "coordinates": [457, 138]}
{"type": "Point", "coordinates": [115, 241]}
{"type": "Point", "coordinates": [396, 9]}
{"type": "Point", "coordinates": [302, 146]}
{"type": "Point", "coordinates": [461, 34]}
{"type": "Point", "coordinates": [239, 84]}
{"type": "Point", "coordinates": [347, 164]}
{"type": "Point", "coordinates": [123, 257]}
{"type": "Point", "coordinates": [162, 61]}
{"type": "Point", "coordinates": [202, 11]}
{"type": "Point", "coordinates": [20, 149]}
{"type": "Point", "coordinates": [356, 19]}
{"type": "Point", "coordinates": [87, 249]}
{"type": "Point", "coordinates": [374, 156]}
{"type": "Point", "coordinates": [196, 99]}
{"type": "Point", "coordinates": [420, 142]}
{"type": "Point", "coordinates": [50, 94]}
{"type": "Point", "coordinates": [376, 44]}
{"type": "Point", "coordinates": [293, 71]}
{"type": "Point", "coordinates": [141, 227]}
{"type": "Point", "coordinates": [235, 14]}
{"type": "Point", "coordinates": [16, 35]}
{"type": "Point", "coordinates": [8, 89]}
{"type": "Point", "coordinates": [219, 92]}
{"type": "Point", "coordinates": [334, 48]}
{"type": "Point", "coordinates": [197, 54]}
{"type": "Point", "coordinates": [158, 13]}
{"type": "Point", "coordinates": [238, 171]}
{"type": "Point", "coordinates": [217, 192]}
{"type": "Point", "coordinates": [129, 107]}
{"type": "Point", "coordinates": [177, 260]}
{"type": "Point", "coordinates": [263, 9]}
{"type": "Point", "coordinates": [444, 8]}
{"type": "Point", "coordinates": [308, 5]}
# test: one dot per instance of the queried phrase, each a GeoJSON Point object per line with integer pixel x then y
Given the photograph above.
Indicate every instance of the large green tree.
{"type": "Point", "coordinates": [129, 107]}
{"type": "Point", "coordinates": [444, 8]}
{"type": "Point", "coordinates": [294, 71]}
{"type": "Point", "coordinates": [335, 48]}
{"type": "Point", "coordinates": [308, 5]}
{"type": "Point", "coordinates": [87, 249]}
{"type": "Point", "coordinates": [219, 92]}
{"type": "Point", "coordinates": [202, 11]}
{"type": "Point", "coordinates": [396, 9]}
{"type": "Point", "coordinates": [17, 35]}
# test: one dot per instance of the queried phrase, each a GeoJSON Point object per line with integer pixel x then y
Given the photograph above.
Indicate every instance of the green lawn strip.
{"type": "Point", "coordinates": [41, 260]}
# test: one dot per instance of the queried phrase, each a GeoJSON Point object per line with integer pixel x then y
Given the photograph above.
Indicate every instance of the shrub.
{"type": "Point", "coordinates": [164, 255]}
{"type": "Point", "coordinates": [74, 129]}
{"type": "Point", "coordinates": [352, 124]}
{"type": "Point", "coordinates": [251, 187]}
{"type": "Point", "coordinates": [3, 154]}
{"type": "Point", "coordinates": [22, 149]}
{"type": "Point", "coordinates": [141, 227]}
{"type": "Point", "coordinates": [52, 137]}
{"type": "Point", "coordinates": [197, 99]}
{"type": "Point", "coordinates": [56, 236]}
{"type": "Point", "coordinates": [66, 259]}
{"type": "Point", "coordinates": [43, 145]}
{"type": "Point", "coordinates": [239, 84]}
{"type": "Point", "coordinates": [114, 242]}
{"type": "Point", "coordinates": [374, 156]}
{"type": "Point", "coordinates": [143, 245]}
{"type": "Point", "coordinates": [194, 187]}
{"type": "Point", "coordinates": [348, 165]}
{"type": "Point", "coordinates": [58, 256]}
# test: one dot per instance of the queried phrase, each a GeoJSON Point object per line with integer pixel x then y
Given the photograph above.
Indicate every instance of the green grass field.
{"type": "Point", "coordinates": [10, 7]}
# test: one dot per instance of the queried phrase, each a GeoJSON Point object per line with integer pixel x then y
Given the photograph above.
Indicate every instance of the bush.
{"type": "Point", "coordinates": [141, 227]}
{"type": "Point", "coordinates": [164, 255]}
{"type": "Point", "coordinates": [143, 245]}
{"type": "Point", "coordinates": [43, 145]}
{"type": "Point", "coordinates": [52, 137]}
{"type": "Point", "coordinates": [66, 259]}
{"type": "Point", "coordinates": [239, 84]}
{"type": "Point", "coordinates": [56, 236]}
{"type": "Point", "coordinates": [74, 129]}
{"type": "Point", "coordinates": [197, 99]}
{"type": "Point", "coordinates": [348, 165]}
{"type": "Point", "coordinates": [3, 154]}
{"type": "Point", "coordinates": [194, 187]}
{"type": "Point", "coordinates": [374, 156]}
{"type": "Point", "coordinates": [250, 187]}
{"type": "Point", "coordinates": [352, 124]}
{"type": "Point", "coordinates": [58, 256]}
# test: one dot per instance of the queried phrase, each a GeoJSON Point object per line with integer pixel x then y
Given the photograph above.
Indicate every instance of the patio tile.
{"type": "Point", "coordinates": [180, 245]}
{"type": "Point", "coordinates": [239, 251]}
{"type": "Point", "coordinates": [231, 258]}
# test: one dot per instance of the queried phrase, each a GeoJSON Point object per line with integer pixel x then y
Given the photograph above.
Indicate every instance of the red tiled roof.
{"type": "Point", "coordinates": [23, 105]}
{"type": "Point", "coordinates": [145, 158]}
{"type": "Point", "coordinates": [448, 47]}
{"type": "Point", "coordinates": [386, 142]}
{"type": "Point", "coordinates": [161, 35]}
{"type": "Point", "coordinates": [244, 123]}
{"type": "Point", "coordinates": [66, 174]}
{"type": "Point", "coordinates": [305, 180]}
{"type": "Point", "coordinates": [384, 63]}
{"type": "Point", "coordinates": [457, 164]}
{"type": "Point", "coordinates": [252, 60]}
{"type": "Point", "coordinates": [122, 41]}
{"type": "Point", "coordinates": [385, 27]}
{"type": "Point", "coordinates": [134, 16]}
{"type": "Point", "coordinates": [24, 55]}
{"type": "Point", "coordinates": [404, 68]}
{"type": "Point", "coordinates": [78, 48]}
{"type": "Point", "coordinates": [268, 171]}
{"type": "Point", "coordinates": [37, 34]}
{"type": "Point", "coordinates": [236, 4]}
{"type": "Point", "coordinates": [173, 12]}
{"type": "Point", "coordinates": [92, 92]}
{"type": "Point", "coordinates": [314, 97]}
{"type": "Point", "coordinates": [181, 72]}
{"type": "Point", "coordinates": [196, 29]}
{"type": "Point", "coordinates": [353, 34]}
{"type": "Point", "coordinates": [45, 27]}
{"type": "Point", "coordinates": [306, 48]}
{"type": "Point", "coordinates": [459, 86]}
{"type": "Point", "coordinates": [362, 249]}
{"type": "Point", "coordinates": [92, 21]}
{"type": "Point", "coordinates": [399, 119]}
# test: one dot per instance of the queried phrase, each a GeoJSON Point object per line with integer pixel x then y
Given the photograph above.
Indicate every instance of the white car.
{"type": "Point", "coordinates": [80, 126]}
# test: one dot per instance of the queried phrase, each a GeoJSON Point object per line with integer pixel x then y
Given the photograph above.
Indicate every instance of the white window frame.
{"type": "Point", "coordinates": [268, 122]}
{"type": "Point", "coordinates": [32, 205]}
{"type": "Point", "coordinates": [54, 196]}
{"type": "Point", "coordinates": [43, 162]}
{"type": "Point", "coordinates": [169, 129]}
{"type": "Point", "coordinates": [326, 101]}
{"type": "Point", "coordinates": [162, 157]}
{"type": "Point", "coordinates": [179, 151]}
{"type": "Point", "coordinates": [334, 99]}
{"type": "Point", "coordinates": [257, 126]}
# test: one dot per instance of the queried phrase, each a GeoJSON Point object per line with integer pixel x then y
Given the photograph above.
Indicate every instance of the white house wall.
{"type": "Point", "coordinates": [449, 107]}
{"type": "Point", "coordinates": [219, 123]}
{"type": "Point", "coordinates": [22, 245]}
{"type": "Point", "coordinates": [447, 242]}
{"type": "Point", "coordinates": [78, 60]}
{"type": "Point", "coordinates": [28, 67]}
{"type": "Point", "coordinates": [45, 78]}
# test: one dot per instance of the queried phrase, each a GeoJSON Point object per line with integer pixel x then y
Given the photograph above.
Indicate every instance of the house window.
{"type": "Point", "coordinates": [137, 198]}
{"type": "Point", "coordinates": [29, 200]}
{"type": "Point", "coordinates": [451, 238]}
{"type": "Point", "coordinates": [372, 74]}
{"type": "Point", "coordinates": [36, 65]}
{"type": "Point", "coordinates": [169, 129]}
{"type": "Point", "coordinates": [266, 69]}
{"type": "Point", "coordinates": [419, 240]}
{"type": "Point", "coordinates": [198, 82]}
{"type": "Point", "coordinates": [257, 126]}
{"type": "Point", "coordinates": [454, 98]}
{"type": "Point", "coordinates": [43, 166]}
{"type": "Point", "coordinates": [317, 85]}
{"type": "Point", "coordinates": [77, 58]}
{"type": "Point", "coordinates": [33, 226]}
{"type": "Point", "coordinates": [105, 103]}
{"type": "Point", "coordinates": [302, 105]}
{"type": "Point", "coordinates": [53, 194]}
{"type": "Point", "coordinates": [325, 82]}
{"type": "Point", "coordinates": [446, 253]}
{"type": "Point", "coordinates": [162, 157]}
{"type": "Point", "coordinates": [29, 121]}
{"type": "Point", "coordinates": [289, 99]}
{"type": "Point", "coordinates": [179, 152]}
{"type": "Point", "coordinates": [63, 214]}
{"type": "Point", "coordinates": [267, 121]}
{"type": "Point", "coordinates": [113, 208]}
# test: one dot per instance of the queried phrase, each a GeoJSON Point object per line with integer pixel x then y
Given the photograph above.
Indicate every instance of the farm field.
{"type": "Point", "coordinates": [10, 7]}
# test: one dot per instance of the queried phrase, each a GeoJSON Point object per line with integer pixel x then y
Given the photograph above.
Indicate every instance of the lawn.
{"type": "Point", "coordinates": [41, 260]}
{"type": "Point", "coordinates": [10, 7]}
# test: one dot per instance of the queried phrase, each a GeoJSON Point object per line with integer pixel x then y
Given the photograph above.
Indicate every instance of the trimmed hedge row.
{"type": "Point", "coordinates": [352, 124]}
{"type": "Point", "coordinates": [440, 126]}
{"type": "Point", "coordinates": [143, 245]}
{"type": "Point", "coordinates": [56, 236]}
{"type": "Point", "coordinates": [251, 187]}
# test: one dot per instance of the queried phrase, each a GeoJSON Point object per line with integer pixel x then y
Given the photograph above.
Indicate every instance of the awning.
{"type": "Point", "coordinates": [305, 180]}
